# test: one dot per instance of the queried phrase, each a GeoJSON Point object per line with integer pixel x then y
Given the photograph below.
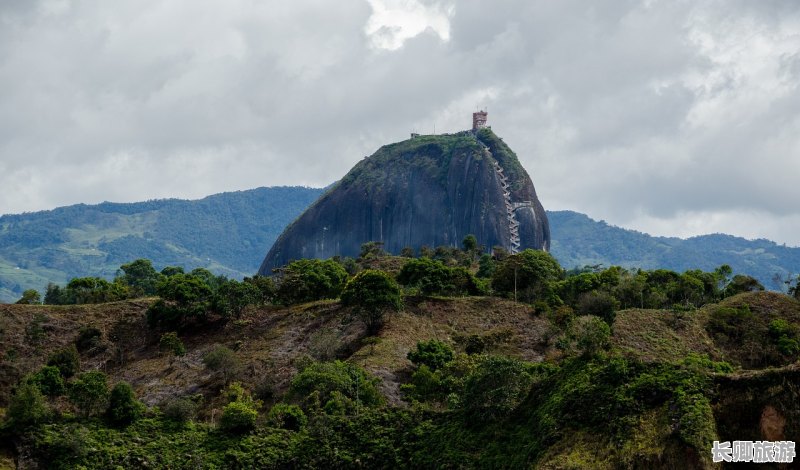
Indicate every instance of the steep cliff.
{"type": "Point", "coordinates": [428, 190]}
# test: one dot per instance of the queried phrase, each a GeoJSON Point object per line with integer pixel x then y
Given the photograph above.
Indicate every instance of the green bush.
{"type": "Point", "coordinates": [320, 380]}
{"type": "Point", "coordinates": [223, 360]}
{"type": "Point", "coordinates": [49, 381]}
{"type": "Point", "coordinates": [372, 294]}
{"type": "Point", "coordinates": [170, 343]}
{"type": "Point", "coordinates": [286, 416]}
{"type": "Point", "coordinates": [495, 388]}
{"type": "Point", "coordinates": [27, 407]}
{"type": "Point", "coordinates": [89, 393]}
{"type": "Point", "coordinates": [180, 410]}
{"type": "Point", "coordinates": [310, 279]}
{"type": "Point", "coordinates": [238, 417]}
{"type": "Point", "coordinates": [66, 360]}
{"type": "Point", "coordinates": [434, 354]}
{"type": "Point", "coordinates": [88, 338]}
{"type": "Point", "coordinates": [123, 407]}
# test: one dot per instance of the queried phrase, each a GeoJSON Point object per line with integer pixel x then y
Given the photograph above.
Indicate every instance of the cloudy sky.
{"type": "Point", "coordinates": [669, 117]}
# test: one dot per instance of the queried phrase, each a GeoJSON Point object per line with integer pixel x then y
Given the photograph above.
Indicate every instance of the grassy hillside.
{"type": "Point", "coordinates": [613, 411]}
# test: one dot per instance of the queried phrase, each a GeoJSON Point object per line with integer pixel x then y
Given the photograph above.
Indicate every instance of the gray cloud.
{"type": "Point", "coordinates": [664, 116]}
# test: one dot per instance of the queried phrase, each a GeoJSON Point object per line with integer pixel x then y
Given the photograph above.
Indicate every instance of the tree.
{"type": "Point", "coordinates": [184, 298]}
{"type": "Point", "coordinates": [241, 412]}
{"type": "Point", "coordinates": [434, 354]}
{"type": "Point", "coordinates": [495, 388]}
{"type": "Point", "coordinates": [430, 276]}
{"type": "Point", "coordinates": [123, 407]}
{"type": "Point", "coordinates": [264, 286]}
{"type": "Point", "coordinates": [470, 243]}
{"type": "Point", "coordinates": [372, 250]}
{"type": "Point", "coordinates": [742, 283]}
{"type": "Point", "coordinates": [27, 407]}
{"type": "Point", "coordinates": [234, 296]}
{"type": "Point", "coordinates": [54, 295]}
{"type": "Point", "coordinates": [310, 279]}
{"type": "Point", "coordinates": [337, 380]}
{"type": "Point", "coordinates": [170, 342]}
{"type": "Point", "coordinates": [527, 276]}
{"type": "Point", "coordinates": [586, 335]}
{"type": "Point", "coordinates": [372, 293]}
{"type": "Point", "coordinates": [30, 297]}
{"type": "Point", "coordinates": [89, 393]}
{"type": "Point", "coordinates": [49, 381]}
{"type": "Point", "coordinates": [223, 360]}
{"type": "Point", "coordinates": [141, 277]}
{"type": "Point", "coordinates": [66, 360]}
{"type": "Point", "coordinates": [286, 416]}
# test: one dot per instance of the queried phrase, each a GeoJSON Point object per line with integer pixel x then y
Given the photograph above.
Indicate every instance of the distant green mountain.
{"type": "Point", "coordinates": [227, 233]}
{"type": "Point", "coordinates": [579, 241]}
{"type": "Point", "coordinates": [230, 232]}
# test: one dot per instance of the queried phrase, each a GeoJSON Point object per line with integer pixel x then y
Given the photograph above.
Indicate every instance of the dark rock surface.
{"type": "Point", "coordinates": [429, 190]}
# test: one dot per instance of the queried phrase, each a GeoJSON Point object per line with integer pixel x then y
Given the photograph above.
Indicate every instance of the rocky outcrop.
{"type": "Point", "coordinates": [428, 190]}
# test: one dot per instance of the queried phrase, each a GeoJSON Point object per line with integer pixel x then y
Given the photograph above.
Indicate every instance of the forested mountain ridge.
{"type": "Point", "coordinates": [227, 232]}
{"type": "Point", "coordinates": [230, 232]}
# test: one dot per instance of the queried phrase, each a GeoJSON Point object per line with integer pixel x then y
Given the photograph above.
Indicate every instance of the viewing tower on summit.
{"type": "Point", "coordinates": [479, 120]}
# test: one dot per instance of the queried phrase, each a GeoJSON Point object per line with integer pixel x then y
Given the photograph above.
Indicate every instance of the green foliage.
{"type": "Point", "coordinates": [89, 393]}
{"type": "Point", "coordinates": [185, 298]}
{"type": "Point", "coordinates": [785, 336]}
{"type": "Point", "coordinates": [49, 381]}
{"type": "Point", "coordinates": [223, 360]}
{"type": "Point", "coordinates": [89, 337]}
{"type": "Point", "coordinates": [170, 342]}
{"type": "Point", "coordinates": [598, 304]}
{"type": "Point", "coordinates": [310, 279]}
{"type": "Point", "coordinates": [433, 277]}
{"type": "Point", "coordinates": [531, 274]}
{"type": "Point", "coordinates": [586, 335]}
{"type": "Point", "coordinates": [233, 297]}
{"type": "Point", "coordinates": [743, 283]}
{"type": "Point", "coordinates": [287, 416]}
{"type": "Point", "coordinates": [433, 353]}
{"type": "Point", "coordinates": [329, 382]}
{"type": "Point", "coordinates": [241, 412]}
{"type": "Point", "coordinates": [265, 288]}
{"type": "Point", "coordinates": [372, 294]}
{"type": "Point", "coordinates": [140, 277]}
{"type": "Point", "coordinates": [66, 360]}
{"type": "Point", "coordinates": [123, 407]}
{"type": "Point", "coordinates": [238, 417]}
{"type": "Point", "coordinates": [371, 250]}
{"type": "Point", "coordinates": [30, 297]}
{"type": "Point", "coordinates": [92, 290]}
{"type": "Point", "coordinates": [180, 410]}
{"type": "Point", "coordinates": [27, 407]}
{"type": "Point", "coordinates": [496, 387]}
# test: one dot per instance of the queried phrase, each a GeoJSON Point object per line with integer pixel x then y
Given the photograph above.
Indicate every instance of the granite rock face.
{"type": "Point", "coordinates": [428, 190]}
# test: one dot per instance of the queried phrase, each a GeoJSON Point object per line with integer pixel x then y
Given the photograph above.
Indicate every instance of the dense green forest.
{"type": "Point", "coordinates": [445, 358]}
{"type": "Point", "coordinates": [230, 233]}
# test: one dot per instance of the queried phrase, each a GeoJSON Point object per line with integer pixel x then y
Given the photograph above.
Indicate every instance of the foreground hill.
{"type": "Point", "coordinates": [655, 400]}
{"type": "Point", "coordinates": [230, 232]}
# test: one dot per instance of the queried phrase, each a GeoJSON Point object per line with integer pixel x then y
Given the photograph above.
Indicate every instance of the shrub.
{"type": "Point", "coordinates": [30, 297]}
{"type": "Point", "coordinates": [49, 381]}
{"type": "Point", "coordinates": [372, 293]}
{"type": "Point", "coordinates": [223, 360]}
{"type": "Point", "coordinates": [27, 406]}
{"type": "Point", "coordinates": [180, 410]}
{"type": "Point", "coordinates": [89, 393]}
{"type": "Point", "coordinates": [599, 304]}
{"type": "Point", "coordinates": [310, 279]}
{"type": "Point", "coordinates": [88, 338]}
{"type": "Point", "coordinates": [66, 360]}
{"type": "Point", "coordinates": [495, 388]}
{"type": "Point", "coordinates": [170, 343]}
{"type": "Point", "coordinates": [586, 336]}
{"type": "Point", "coordinates": [285, 416]}
{"type": "Point", "coordinates": [434, 354]}
{"type": "Point", "coordinates": [238, 417]}
{"type": "Point", "coordinates": [123, 407]}
{"type": "Point", "coordinates": [530, 273]}
{"type": "Point", "coordinates": [324, 379]}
